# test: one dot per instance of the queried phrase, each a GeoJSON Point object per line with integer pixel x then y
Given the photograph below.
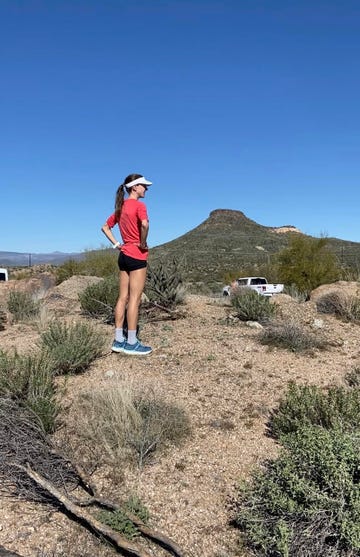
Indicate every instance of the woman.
{"type": "Point", "coordinates": [131, 216]}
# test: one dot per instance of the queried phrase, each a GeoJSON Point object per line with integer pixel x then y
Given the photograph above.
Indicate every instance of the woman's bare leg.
{"type": "Point", "coordinates": [136, 286]}
{"type": "Point", "coordinates": [120, 308]}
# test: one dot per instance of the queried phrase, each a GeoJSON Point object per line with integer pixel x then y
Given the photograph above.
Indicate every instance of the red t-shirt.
{"type": "Point", "coordinates": [132, 213]}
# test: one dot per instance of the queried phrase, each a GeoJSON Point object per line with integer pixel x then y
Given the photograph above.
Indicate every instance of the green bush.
{"type": "Point", "coordinates": [67, 269]}
{"type": "Point", "coordinates": [72, 347]}
{"type": "Point", "coordinates": [164, 284]}
{"type": "Point", "coordinates": [305, 405]}
{"type": "Point", "coordinates": [251, 306]}
{"type": "Point", "coordinates": [307, 263]}
{"type": "Point", "coordinates": [307, 501]}
{"type": "Point", "coordinates": [28, 379]}
{"type": "Point", "coordinates": [290, 335]}
{"type": "Point", "coordinates": [118, 520]}
{"type": "Point", "coordinates": [98, 263]}
{"type": "Point", "coordinates": [23, 306]}
{"type": "Point", "coordinates": [99, 300]}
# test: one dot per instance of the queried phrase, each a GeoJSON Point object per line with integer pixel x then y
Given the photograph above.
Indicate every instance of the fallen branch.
{"type": "Point", "coordinates": [85, 518]}
{"type": "Point", "coordinates": [5, 553]}
{"type": "Point", "coordinates": [153, 535]}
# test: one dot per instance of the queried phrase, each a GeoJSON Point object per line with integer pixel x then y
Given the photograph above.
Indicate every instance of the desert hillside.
{"type": "Point", "coordinates": [213, 367]}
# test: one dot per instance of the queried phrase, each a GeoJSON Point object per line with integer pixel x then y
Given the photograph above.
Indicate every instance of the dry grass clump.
{"type": "Point", "coordinates": [290, 335]}
{"type": "Point", "coordinates": [118, 425]}
{"type": "Point", "coordinates": [23, 306]}
{"type": "Point", "coordinates": [28, 379]}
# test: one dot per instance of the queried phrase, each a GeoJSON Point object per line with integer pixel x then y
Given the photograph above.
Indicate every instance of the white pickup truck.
{"type": "Point", "coordinates": [259, 284]}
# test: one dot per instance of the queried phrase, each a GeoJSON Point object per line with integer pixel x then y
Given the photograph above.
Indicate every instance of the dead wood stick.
{"type": "Point", "coordinates": [95, 525]}
{"type": "Point", "coordinates": [153, 535]}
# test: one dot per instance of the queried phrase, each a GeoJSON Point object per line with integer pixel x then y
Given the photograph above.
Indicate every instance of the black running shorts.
{"type": "Point", "coordinates": [129, 264]}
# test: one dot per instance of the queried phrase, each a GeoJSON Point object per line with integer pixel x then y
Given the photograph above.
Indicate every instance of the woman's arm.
{"type": "Point", "coordinates": [144, 234]}
{"type": "Point", "coordinates": [108, 233]}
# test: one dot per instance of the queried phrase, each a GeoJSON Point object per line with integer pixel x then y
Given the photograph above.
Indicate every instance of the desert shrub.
{"type": "Point", "coordinates": [339, 304]}
{"type": "Point", "coordinates": [164, 283]}
{"type": "Point", "coordinates": [102, 420]}
{"type": "Point", "coordinates": [354, 313]}
{"type": "Point", "coordinates": [67, 270]}
{"type": "Point", "coordinates": [250, 306]}
{"type": "Point", "coordinates": [3, 320]}
{"type": "Point", "coordinates": [100, 263]}
{"type": "Point", "coordinates": [28, 379]}
{"type": "Point", "coordinates": [306, 502]}
{"type": "Point", "coordinates": [290, 335]}
{"type": "Point", "coordinates": [118, 520]}
{"type": "Point", "coordinates": [307, 263]}
{"type": "Point", "coordinates": [305, 405]}
{"type": "Point", "coordinates": [23, 305]}
{"type": "Point", "coordinates": [333, 302]}
{"type": "Point", "coordinates": [72, 347]}
{"type": "Point", "coordinates": [160, 423]}
{"type": "Point", "coordinates": [99, 300]}
{"type": "Point", "coordinates": [352, 378]}
{"type": "Point", "coordinates": [118, 425]}
{"type": "Point", "coordinates": [293, 291]}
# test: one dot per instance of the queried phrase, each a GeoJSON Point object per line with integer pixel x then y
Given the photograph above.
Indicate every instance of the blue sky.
{"type": "Point", "coordinates": [250, 105]}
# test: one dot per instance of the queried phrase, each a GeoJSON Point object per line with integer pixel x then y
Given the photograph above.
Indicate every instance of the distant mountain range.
{"type": "Point", "coordinates": [226, 241]}
{"type": "Point", "coordinates": [14, 259]}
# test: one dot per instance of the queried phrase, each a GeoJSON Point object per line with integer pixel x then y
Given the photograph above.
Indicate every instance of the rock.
{"type": "Point", "coordinates": [347, 288]}
{"type": "Point", "coordinates": [318, 324]}
{"type": "Point", "coordinates": [254, 325]}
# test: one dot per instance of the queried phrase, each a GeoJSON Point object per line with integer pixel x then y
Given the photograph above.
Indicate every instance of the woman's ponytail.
{"type": "Point", "coordinates": [119, 200]}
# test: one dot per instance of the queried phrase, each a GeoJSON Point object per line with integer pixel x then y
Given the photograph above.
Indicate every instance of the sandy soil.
{"type": "Point", "coordinates": [217, 370]}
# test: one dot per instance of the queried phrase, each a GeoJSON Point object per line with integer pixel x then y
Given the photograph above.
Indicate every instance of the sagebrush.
{"type": "Point", "coordinates": [291, 335]}
{"type": "Point", "coordinates": [306, 405]}
{"type": "Point", "coordinates": [251, 306]}
{"type": "Point", "coordinates": [72, 347]}
{"type": "Point", "coordinates": [23, 305]}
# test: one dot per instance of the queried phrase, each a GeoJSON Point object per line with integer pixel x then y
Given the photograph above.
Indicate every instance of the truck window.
{"type": "Point", "coordinates": [258, 281]}
{"type": "Point", "coordinates": [242, 282]}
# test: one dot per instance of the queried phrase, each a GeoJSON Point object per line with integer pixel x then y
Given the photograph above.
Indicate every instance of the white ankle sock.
{"type": "Point", "coordinates": [119, 335]}
{"type": "Point", "coordinates": [132, 337]}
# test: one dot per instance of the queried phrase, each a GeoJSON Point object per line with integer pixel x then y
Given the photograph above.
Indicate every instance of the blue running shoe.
{"type": "Point", "coordinates": [137, 349]}
{"type": "Point", "coordinates": [118, 346]}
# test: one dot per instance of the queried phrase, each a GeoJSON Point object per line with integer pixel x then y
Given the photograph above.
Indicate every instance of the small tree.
{"type": "Point", "coordinates": [307, 263]}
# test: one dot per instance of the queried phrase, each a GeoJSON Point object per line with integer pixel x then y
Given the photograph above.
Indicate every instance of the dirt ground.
{"type": "Point", "coordinates": [216, 369]}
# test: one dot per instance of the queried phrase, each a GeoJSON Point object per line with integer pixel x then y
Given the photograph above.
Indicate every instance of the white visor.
{"type": "Point", "coordinates": [138, 181]}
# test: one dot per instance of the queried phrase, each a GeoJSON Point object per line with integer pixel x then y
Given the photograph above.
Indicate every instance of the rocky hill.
{"type": "Point", "coordinates": [228, 240]}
